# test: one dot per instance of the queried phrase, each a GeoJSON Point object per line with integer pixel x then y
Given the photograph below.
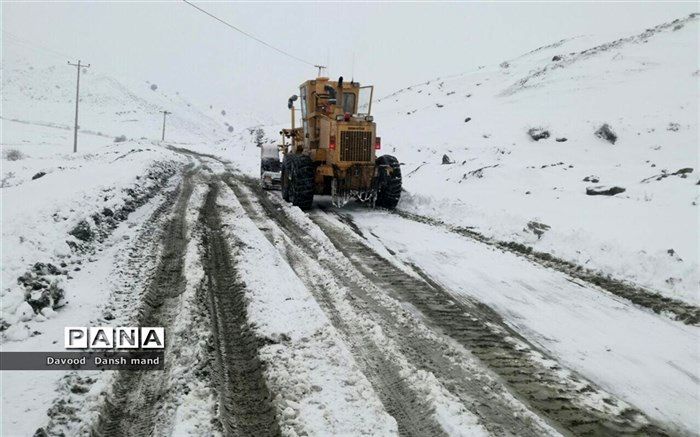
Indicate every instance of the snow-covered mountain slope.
{"type": "Point", "coordinates": [512, 188]}
{"type": "Point", "coordinates": [48, 191]}
{"type": "Point", "coordinates": [40, 95]}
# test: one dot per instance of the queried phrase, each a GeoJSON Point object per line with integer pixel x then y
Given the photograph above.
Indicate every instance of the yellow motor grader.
{"type": "Point", "coordinates": [334, 151]}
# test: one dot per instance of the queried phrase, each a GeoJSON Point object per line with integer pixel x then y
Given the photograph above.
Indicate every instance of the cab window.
{"type": "Point", "coordinates": [349, 103]}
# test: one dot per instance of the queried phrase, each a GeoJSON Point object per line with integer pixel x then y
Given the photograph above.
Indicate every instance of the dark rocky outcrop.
{"type": "Point", "coordinates": [604, 190]}
{"type": "Point", "coordinates": [606, 133]}
{"type": "Point", "coordinates": [537, 133]}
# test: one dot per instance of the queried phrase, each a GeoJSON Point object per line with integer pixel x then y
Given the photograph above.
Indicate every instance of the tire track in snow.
{"type": "Point", "coordinates": [246, 407]}
{"type": "Point", "coordinates": [570, 402]}
{"type": "Point", "coordinates": [675, 309]}
{"type": "Point", "coordinates": [413, 415]}
{"type": "Point", "coordinates": [131, 408]}
{"type": "Point", "coordinates": [498, 412]}
{"type": "Point", "coordinates": [567, 401]}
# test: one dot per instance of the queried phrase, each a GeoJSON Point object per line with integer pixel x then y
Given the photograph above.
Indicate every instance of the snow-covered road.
{"type": "Point", "coordinates": [354, 321]}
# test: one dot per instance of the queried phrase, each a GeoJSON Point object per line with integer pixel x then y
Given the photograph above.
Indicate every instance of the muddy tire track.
{"type": "Point", "coordinates": [132, 407]}
{"type": "Point", "coordinates": [412, 413]}
{"type": "Point", "coordinates": [137, 261]}
{"type": "Point", "coordinates": [561, 397]}
{"type": "Point", "coordinates": [245, 405]}
{"type": "Point", "coordinates": [674, 308]}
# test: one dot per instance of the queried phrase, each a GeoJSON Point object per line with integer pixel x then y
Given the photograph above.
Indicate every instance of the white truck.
{"type": "Point", "coordinates": [270, 167]}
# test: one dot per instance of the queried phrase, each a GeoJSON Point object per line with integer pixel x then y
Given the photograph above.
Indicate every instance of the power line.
{"type": "Point", "coordinates": [249, 35]}
{"type": "Point", "coordinates": [21, 41]}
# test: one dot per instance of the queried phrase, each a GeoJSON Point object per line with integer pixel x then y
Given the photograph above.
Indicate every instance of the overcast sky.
{"type": "Point", "coordinates": [393, 45]}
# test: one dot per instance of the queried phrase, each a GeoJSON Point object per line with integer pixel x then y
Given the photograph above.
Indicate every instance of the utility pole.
{"type": "Point", "coordinates": [164, 114]}
{"type": "Point", "coordinates": [320, 68]}
{"type": "Point", "coordinates": [77, 98]}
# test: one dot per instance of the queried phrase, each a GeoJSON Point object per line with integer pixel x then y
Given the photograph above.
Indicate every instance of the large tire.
{"type": "Point", "coordinates": [300, 190]}
{"type": "Point", "coordinates": [389, 190]}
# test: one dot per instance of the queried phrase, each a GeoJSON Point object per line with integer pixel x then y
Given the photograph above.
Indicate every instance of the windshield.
{"type": "Point", "coordinates": [365, 104]}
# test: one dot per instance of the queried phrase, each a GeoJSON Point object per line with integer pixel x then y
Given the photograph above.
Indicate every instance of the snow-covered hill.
{"type": "Point", "coordinates": [510, 187]}
{"type": "Point", "coordinates": [48, 191]}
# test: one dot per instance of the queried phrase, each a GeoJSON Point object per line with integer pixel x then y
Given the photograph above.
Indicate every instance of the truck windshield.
{"type": "Point", "coordinates": [365, 101]}
{"type": "Point", "coordinates": [349, 103]}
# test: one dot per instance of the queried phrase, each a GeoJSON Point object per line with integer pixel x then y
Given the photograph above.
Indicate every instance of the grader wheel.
{"type": "Point", "coordinates": [389, 182]}
{"type": "Point", "coordinates": [298, 180]}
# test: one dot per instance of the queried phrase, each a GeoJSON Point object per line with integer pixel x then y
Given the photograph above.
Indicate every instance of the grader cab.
{"type": "Point", "coordinates": [334, 151]}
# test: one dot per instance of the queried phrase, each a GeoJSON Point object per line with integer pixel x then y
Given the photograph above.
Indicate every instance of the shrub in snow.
{"type": "Point", "coordinates": [40, 291]}
{"type": "Point", "coordinates": [537, 133]}
{"type": "Point", "coordinates": [38, 175]}
{"type": "Point", "coordinates": [561, 140]}
{"type": "Point", "coordinates": [120, 139]}
{"type": "Point", "coordinates": [230, 128]}
{"type": "Point", "coordinates": [154, 87]}
{"type": "Point", "coordinates": [466, 120]}
{"type": "Point", "coordinates": [556, 58]}
{"type": "Point", "coordinates": [606, 133]}
{"type": "Point", "coordinates": [223, 112]}
{"type": "Point", "coordinates": [446, 160]}
{"type": "Point", "coordinates": [673, 127]}
{"type": "Point", "coordinates": [13, 155]}
{"type": "Point", "coordinates": [82, 231]}
{"type": "Point", "coordinates": [46, 297]}
{"type": "Point", "coordinates": [45, 269]}
{"type": "Point", "coordinates": [537, 228]}
{"type": "Point", "coordinates": [259, 137]}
